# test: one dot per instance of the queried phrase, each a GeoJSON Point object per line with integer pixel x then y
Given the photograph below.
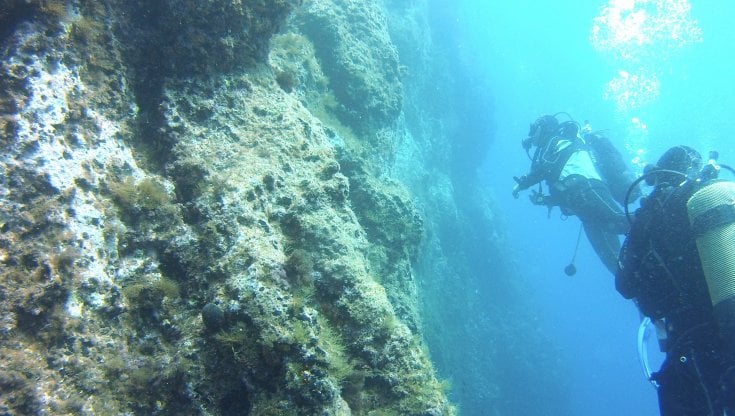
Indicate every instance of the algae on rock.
{"type": "Point", "coordinates": [159, 163]}
{"type": "Point", "coordinates": [353, 44]}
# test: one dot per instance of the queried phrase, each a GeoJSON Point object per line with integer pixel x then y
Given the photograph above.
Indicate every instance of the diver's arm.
{"type": "Point", "coordinates": [526, 181]}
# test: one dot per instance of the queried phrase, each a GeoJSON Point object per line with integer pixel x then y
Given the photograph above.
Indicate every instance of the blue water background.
{"type": "Point", "coordinates": [533, 57]}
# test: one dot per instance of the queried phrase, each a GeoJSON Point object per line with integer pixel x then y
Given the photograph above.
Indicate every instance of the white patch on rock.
{"type": "Point", "coordinates": [73, 306]}
{"type": "Point", "coordinates": [67, 155]}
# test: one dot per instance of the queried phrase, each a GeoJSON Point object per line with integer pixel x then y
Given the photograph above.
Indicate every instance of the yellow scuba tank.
{"type": "Point", "coordinates": [712, 215]}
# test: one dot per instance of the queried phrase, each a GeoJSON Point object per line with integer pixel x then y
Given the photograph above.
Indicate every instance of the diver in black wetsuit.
{"type": "Point", "coordinates": [678, 264]}
{"type": "Point", "coordinates": [578, 172]}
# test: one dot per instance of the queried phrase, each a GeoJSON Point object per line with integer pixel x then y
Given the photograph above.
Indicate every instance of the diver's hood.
{"type": "Point", "coordinates": [540, 131]}
{"type": "Point", "coordinates": [682, 159]}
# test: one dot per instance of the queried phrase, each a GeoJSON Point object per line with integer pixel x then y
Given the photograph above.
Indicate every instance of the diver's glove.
{"type": "Point", "coordinates": [517, 189]}
{"type": "Point", "coordinates": [538, 198]}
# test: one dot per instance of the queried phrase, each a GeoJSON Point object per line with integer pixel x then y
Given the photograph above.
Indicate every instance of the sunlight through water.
{"type": "Point", "coordinates": [637, 34]}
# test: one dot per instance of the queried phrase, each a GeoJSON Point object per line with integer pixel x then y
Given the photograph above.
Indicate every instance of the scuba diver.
{"type": "Point", "coordinates": [586, 177]}
{"type": "Point", "coordinates": [678, 265]}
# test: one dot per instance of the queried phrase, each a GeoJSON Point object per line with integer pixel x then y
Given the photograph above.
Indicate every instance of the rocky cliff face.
{"type": "Point", "coordinates": [195, 215]}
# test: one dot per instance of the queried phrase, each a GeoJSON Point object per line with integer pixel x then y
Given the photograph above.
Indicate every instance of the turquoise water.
{"type": "Point", "coordinates": [660, 77]}
{"type": "Point", "coordinates": [212, 256]}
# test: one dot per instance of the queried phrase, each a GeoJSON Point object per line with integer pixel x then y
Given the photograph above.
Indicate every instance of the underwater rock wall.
{"type": "Point", "coordinates": [478, 316]}
{"type": "Point", "coordinates": [195, 217]}
{"type": "Point", "coordinates": [352, 41]}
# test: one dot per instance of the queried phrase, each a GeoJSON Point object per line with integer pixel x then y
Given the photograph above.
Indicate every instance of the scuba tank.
{"type": "Point", "coordinates": [612, 167]}
{"type": "Point", "coordinates": [711, 213]}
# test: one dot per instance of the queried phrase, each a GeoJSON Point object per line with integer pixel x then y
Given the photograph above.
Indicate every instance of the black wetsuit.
{"type": "Point", "coordinates": [661, 270]}
{"type": "Point", "coordinates": [588, 198]}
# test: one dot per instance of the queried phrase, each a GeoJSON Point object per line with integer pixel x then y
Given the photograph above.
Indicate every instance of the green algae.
{"type": "Point", "coordinates": [237, 194]}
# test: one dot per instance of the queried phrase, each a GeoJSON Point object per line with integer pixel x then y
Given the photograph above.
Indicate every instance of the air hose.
{"type": "Point", "coordinates": [643, 334]}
